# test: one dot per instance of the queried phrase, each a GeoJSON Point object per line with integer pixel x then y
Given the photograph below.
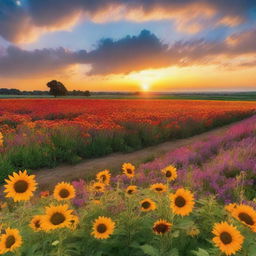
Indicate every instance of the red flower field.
{"type": "Point", "coordinates": [37, 133]}
{"type": "Point", "coordinates": [112, 114]}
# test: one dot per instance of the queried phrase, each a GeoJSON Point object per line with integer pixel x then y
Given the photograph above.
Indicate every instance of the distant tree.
{"type": "Point", "coordinates": [87, 93]}
{"type": "Point", "coordinates": [57, 88]}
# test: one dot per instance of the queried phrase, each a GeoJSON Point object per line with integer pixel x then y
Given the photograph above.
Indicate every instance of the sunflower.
{"type": "Point", "coordinates": [246, 214]}
{"type": "Point", "coordinates": [3, 205]}
{"type": "Point", "coordinates": [230, 207]}
{"type": "Point", "coordinates": [1, 139]}
{"type": "Point", "coordinates": [128, 170]}
{"type": "Point", "coordinates": [193, 231]}
{"type": "Point", "coordinates": [147, 205]}
{"type": "Point", "coordinates": [20, 186]}
{"type": "Point", "coordinates": [227, 238]}
{"type": "Point", "coordinates": [98, 187]}
{"type": "Point", "coordinates": [64, 191]}
{"type": "Point", "coordinates": [56, 217]}
{"type": "Point", "coordinates": [96, 201]}
{"type": "Point", "coordinates": [73, 223]}
{"type": "Point", "coordinates": [170, 172]}
{"type": "Point", "coordinates": [104, 177]}
{"type": "Point", "coordinates": [10, 240]}
{"type": "Point", "coordinates": [182, 202]}
{"type": "Point", "coordinates": [103, 227]}
{"type": "Point", "coordinates": [158, 187]}
{"type": "Point", "coordinates": [161, 227]}
{"type": "Point", "coordinates": [36, 222]}
{"type": "Point", "coordinates": [131, 189]}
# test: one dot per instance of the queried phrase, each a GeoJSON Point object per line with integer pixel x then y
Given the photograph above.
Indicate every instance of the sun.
{"type": "Point", "coordinates": [145, 86]}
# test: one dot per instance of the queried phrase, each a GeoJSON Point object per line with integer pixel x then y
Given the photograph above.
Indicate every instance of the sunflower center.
{"type": "Point", "coordinates": [180, 201]}
{"type": "Point", "coordinates": [130, 191]}
{"type": "Point", "coordinates": [225, 238]}
{"type": "Point", "coordinates": [168, 174]}
{"type": "Point", "coordinates": [37, 224]}
{"type": "Point", "coordinates": [101, 228]}
{"type": "Point", "coordinates": [64, 193]}
{"type": "Point", "coordinates": [246, 218]}
{"type": "Point", "coordinates": [103, 177]}
{"type": "Point", "coordinates": [10, 241]}
{"type": "Point", "coordinates": [158, 189]}
{"type": "Point", "coordinates": [20, 186]}
{"type": "Point", "coordinates": [146, 205]}
{"type": "Point", "coordinates": [98, 187]}
{"type": "Point", "coordinates": [129, 171]}
{"type": "Point", "coordinates": [57, 218]}
{"type": "Point", "coordinates": [161, 228]}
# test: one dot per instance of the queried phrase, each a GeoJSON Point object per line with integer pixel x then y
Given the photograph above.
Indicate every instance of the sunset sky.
{"type": "Point", "coordinates": [128, 45]}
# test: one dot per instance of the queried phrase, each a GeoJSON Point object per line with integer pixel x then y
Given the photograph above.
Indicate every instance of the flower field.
{"type": "Point", "coordinates": [103, 217]}
{"type": "Point", "coordinates": [36, 133]}
{"type": "Point", "coordinates": [202, 194]}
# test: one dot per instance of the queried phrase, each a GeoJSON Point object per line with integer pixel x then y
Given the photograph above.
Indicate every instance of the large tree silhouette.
{"type": "Point", "coordinates": [57, 88]}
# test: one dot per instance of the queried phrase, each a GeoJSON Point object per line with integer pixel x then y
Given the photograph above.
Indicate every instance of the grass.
{"type": "Point", "coordinates": [227, 96]}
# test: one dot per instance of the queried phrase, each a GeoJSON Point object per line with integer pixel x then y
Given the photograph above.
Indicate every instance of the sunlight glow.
{"type": "Point", "coordinates": [145, 86]}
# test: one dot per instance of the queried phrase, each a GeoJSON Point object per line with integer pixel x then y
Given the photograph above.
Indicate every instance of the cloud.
{"type": "Point", "coordinates": [34, 17]}
{"type": "Point", "coordinates": [128, 54]}
{"type": "Point", "coordinates": [15, 62]}
{"type": "Point", "coordinates": [132, 53]}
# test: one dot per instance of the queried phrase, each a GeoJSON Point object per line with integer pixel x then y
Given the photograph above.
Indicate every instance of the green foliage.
{"type": "Point", "coordinates": [67, 144]}
{"type": "Point", "coordinates": [133, 234]}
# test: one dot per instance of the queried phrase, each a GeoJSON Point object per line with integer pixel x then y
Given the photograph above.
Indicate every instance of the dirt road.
{"type": "Point", "coordinates": [47, 178]}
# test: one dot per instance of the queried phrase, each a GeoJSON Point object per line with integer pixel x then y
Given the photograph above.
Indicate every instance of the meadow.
{"type": "Point", "coordinates": [196, 200]}
{"type": "Point", "coordinates": [37, 133]}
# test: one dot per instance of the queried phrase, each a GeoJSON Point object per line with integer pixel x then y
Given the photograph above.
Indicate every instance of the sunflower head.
{"type": "Point", "coordinates": [246, 214]}
{"type": "Point", "coordinates": [3, 205]}
{"type": "Point", "coordinates": [161, 227]}
{"type": "Point", "coordinates": [64, 191]}
{"type": "Point", "coordinates": [147, 205]}
{"type": "Point", "coordinates": [227, 238]}
{"type": "Point", "coordinates": [158, 188]}
{"type": "Point", "coordinates": [98, 187]}
{"type": "Point", "coordinates": [230, 207]}
{"type": "Point", "coordinates": [36, 223]}
{"type": "Point", "coordinates": [128, 170]}
{"type": "Point", "coordinates": [10, 240]}
{"type": "Point", "coordinates": [104, 177]}
{"type": "Point", "coordinates": [56, 217]}
{"type": "Point", "coordinates": [96, 201]}
{"type": "Point", "coordinates": [73, 222]}
{"type": "Point", "coordinates": [170, 172]}
{"type": "Point", "coordinates": [182, 202]}
{"type": "Point", "coordinates": [103, 227]}
{"type": "Point", "coordinates": [20, 186]}
{"type": "Point", "coordinates": [194, 231]}
{"type": "Point", "coordinates": [131, 190]}
{"type": "Point", "coordinates": [1, 139]}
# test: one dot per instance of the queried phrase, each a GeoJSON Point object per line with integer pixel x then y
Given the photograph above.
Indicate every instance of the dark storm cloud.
{"type": "Point", "coordinates": [128, 54]}
{"type": "Point", "coordinates": [15, 62]}
{"type": "Point", "coordinates": [147, 51]}
{"type": "Point", "coordinates": [132, 53]}
{"type": "Point", "coordinates": [35, 16]}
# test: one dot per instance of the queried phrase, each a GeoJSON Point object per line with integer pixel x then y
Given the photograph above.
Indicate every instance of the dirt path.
{"type": "Point", "coordinates": [47, 178]}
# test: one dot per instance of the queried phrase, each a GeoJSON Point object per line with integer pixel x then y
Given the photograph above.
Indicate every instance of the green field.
{"type": "Point", "coordinates": [232, 96]}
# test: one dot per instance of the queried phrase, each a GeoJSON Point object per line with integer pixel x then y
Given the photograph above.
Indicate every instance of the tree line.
{"type": "Point", "coordinates": [56, 89]}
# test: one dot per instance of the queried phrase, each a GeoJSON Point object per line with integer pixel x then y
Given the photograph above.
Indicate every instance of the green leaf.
{"type": "Point", "coordinates": [200, 252]}
{"type": "Point", "coordinates": [149, 250]}
{"type": "Point", "coordinates": [252, 250]}
{"type": "Point", "coordinates": [176, 234]}
{"type": "Point", "coordinates": [185, 224]}
{"type": "Point", "coordinates": [174, 252]}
